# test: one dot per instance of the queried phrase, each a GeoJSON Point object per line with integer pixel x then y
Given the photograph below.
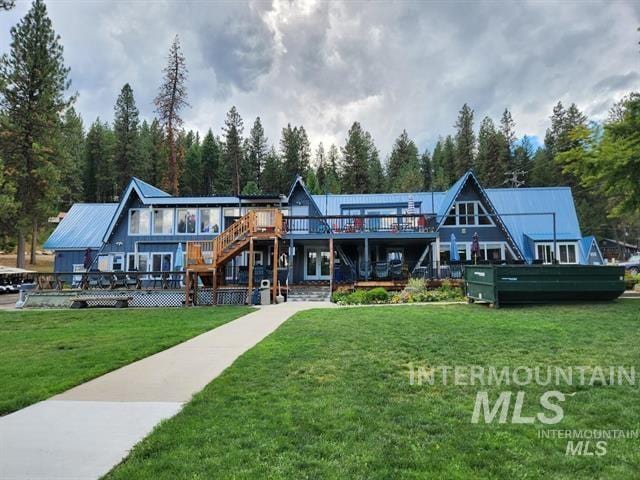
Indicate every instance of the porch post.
{"type": "Point", "coordinates": [274, 265]}
{"type": "Point", "coordinates": [290, 264]}
{"type": "Point", "coordinates": [187, 288]}
{"type": "Point", "coordinates": [250, 282]}
{"type": "Point", "coordinates": [366, 258]}
{"type": "Point", "coordinates": [436, 258]}
{"type": "Point", "coordinates": [331, 264]}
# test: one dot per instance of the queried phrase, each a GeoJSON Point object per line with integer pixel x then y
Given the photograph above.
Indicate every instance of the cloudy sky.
{"type": "Point", "coordinates": [389, 65]}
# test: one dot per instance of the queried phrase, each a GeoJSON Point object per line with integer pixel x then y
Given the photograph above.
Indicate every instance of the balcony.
{"type": "Point", "coordinates": [361, 224]}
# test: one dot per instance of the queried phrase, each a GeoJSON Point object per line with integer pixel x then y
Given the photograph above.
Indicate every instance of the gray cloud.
{"type": "Point", "coordinates": [389, 65]}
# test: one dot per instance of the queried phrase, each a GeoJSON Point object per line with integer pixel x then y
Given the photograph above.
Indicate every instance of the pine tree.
{"type": "Point", "coordinates": [143, 164]}
{"type": "Point", "coordinates": [437, 160]}
{"type": "Point", "coordinates": [33, 82]}
{"type": "Point", "coordinates": [465, 143]}
{"type": "Point", "coordinates": [7, 4]}
{"type": "Point", "coordinates": [321, 167]}
{"type": "Point", "coordinates": [403, 165]}
{"type": "Point", "coordinates": [232, 151]}
{"type": "Point", "coordinates": [523, 158]}
{"type": "Point", "coordinates": [191, 180]}
{"type": "Point", "coordinates": [171, 99]}
{"type": "Point", "coordinates": [333, 170]}
{"type": "Point", "coordinates": [158, 156]}
{"type": "Point", "coordinates": [210, 161]}
{"type": "Point", "coordinates": [377, 178]}
{"type": "Point", "coordinates": [448, 162]}
{"type": "Point", "coordinates": [256, 153]}
{"type": "Point", "coordinates": [271, 178]}
{"type": "Point", "coordinates": [125, 128]}
{"type": "Point", "coordinates": [491, 143]}
{"type": "Point", "coordinates": [508, 140]}
{"type": "Point", "coordinates": [72, 168]}
{"type": "Point", "coordinates": [98, 177]}
{"type": "Point", "coordinates": [296, 152]}
{"type": "Point", "coordinates": [355, 160]}
{"type": "Point", "coordinates": [251, 188]}
{"type": "Point", "coordinates": [426, 168]}
{"type": "Point", "coordinates": [312, 182]}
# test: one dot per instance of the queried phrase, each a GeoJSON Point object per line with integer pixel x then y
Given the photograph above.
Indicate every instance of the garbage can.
{"type": "Point", "coordinates": [265, 292]}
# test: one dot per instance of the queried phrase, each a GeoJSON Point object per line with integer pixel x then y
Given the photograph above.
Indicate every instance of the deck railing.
{"type": "Point", "coordinates": [348, 224]}
{"type": "Point", "coordinates": [109, 280]}
{"type": "Point", "coordinates": [255, 222]}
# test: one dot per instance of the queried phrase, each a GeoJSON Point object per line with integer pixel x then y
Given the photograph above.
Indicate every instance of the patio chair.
{"type": "Point", "coordinates": [362, 272]}
{"type": "Point", "coordinates": [382, 269]}
{"type": "Point", "coordinates": [258, 274]}
{"type": "Point", "coordinates": [358, 224]}
{"type": "Point", "coordinates": [118, 279]}
{"type": "Point", "coordinates": [243, 275]}
{"type": "Point", "coordinates": [396, 269]}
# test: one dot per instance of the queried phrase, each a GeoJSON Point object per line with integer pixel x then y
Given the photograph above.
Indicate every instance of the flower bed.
{"type": "Point", "coordinates": [416, 291]}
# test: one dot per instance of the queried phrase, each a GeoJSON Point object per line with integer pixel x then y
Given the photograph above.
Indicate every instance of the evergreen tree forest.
{"type": "Point", "coordinates": [51, 157]}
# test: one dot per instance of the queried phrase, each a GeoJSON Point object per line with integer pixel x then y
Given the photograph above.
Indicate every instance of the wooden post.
{"type": "Point", "coordinates": [366, 259]}
{"type": "Point", "coordinates": [274, 265]}
{"type": "Point", "coordinates": [331, 264]}
{"type": "Point", "coordinates": [250, 283]}
{"type": "Point", "coordinates": [214, 286]}
{"type": "Point", "coordinates": [187, 288]}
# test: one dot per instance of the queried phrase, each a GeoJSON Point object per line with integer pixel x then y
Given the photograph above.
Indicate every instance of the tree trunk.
{"type": "Point", "coordinates": [21, 249]}
{"type": "Point", "coordinates": [34, 242]}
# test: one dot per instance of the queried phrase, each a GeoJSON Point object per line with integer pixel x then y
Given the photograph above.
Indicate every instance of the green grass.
{"type": "Point", "coordinates": [46, 352]}
{"type": "Point", "coordinates": [327, 396]}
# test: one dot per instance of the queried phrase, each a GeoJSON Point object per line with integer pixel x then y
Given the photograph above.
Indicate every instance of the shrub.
{"type": "Point", "coordinates": [377, 295]}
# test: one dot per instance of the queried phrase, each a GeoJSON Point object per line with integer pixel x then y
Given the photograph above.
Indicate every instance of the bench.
{"type": "Point", "coordinates": [118, 301]}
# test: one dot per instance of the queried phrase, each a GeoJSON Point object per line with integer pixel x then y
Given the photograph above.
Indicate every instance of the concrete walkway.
{"type": "Point", "coordinates": [83, 432]}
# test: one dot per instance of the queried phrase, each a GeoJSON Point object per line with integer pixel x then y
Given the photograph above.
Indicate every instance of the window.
{"type": "Point", "coordinates": [209, 220]}
{"type": "Point", "coordinates": [117, 262]}
{"type": "Point", "coordinates": [186, 219]}
{"type": "Point", "coordinates": [143, 262]}
{"type": "Point", "coordinates": [163, 221]}
{"type": "Point", "coordinates": [103, 263]}
{"type": "Point", "coordinates": [468, 213]}
{"type": "Point", "coordinates": [492, 252]}
{"type": "Point", "coordinates": [139, 221]}
{"type": "Point", "coordinates": [566, 252]}
{"type": "Point", "coordinates": [161, 262]}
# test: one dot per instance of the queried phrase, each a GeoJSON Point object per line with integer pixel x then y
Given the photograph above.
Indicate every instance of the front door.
{"type": "Point", "coordinates": [317, 263]}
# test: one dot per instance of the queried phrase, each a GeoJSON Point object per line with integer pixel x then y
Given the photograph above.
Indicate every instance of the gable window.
{"type": "Point", "coordinates": [186, 218]}
{"type": "Point", "coordinates": [209, 220]}
{"type": "Point", "coordinates": [139, 221]}
{"type": "Point", "coordinates": [470, 213]}
{"type": "Point", "coordinates": [163, 221]}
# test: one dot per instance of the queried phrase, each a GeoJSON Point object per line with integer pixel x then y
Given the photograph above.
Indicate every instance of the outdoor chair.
{"type": "Point", "coordinates": [382, 270]}
{"type": "Point", "coordinates": [396, 270]}
{"type": "Point", "coordinates": [118, 279]}
{"type": "Point", "coordinates": [258, 274]}
{"type": "Point", "coordinates": [362, 272]}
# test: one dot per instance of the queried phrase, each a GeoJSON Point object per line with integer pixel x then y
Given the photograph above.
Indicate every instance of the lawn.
{"type": "Point", "coordinates": [46, 352]}
{"type": "Point", "coordinates": [327, 396]}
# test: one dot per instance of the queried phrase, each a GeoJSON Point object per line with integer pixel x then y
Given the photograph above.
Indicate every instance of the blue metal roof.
{"type": "Point", "coordinates": [536, 200]}
{"type": "Point", "coordinates": [332, 204]}
{"type": "Point", "coordinates": [82, 227]}
{"type": "Point", "coordinates": [148, 190]}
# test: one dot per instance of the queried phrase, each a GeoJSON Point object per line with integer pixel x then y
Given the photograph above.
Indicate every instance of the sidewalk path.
{"type": "Point", "coordinates": [83, 432]}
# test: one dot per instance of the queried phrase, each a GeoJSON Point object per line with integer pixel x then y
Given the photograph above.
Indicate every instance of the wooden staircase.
{"type": "Point", "coordinates": [205, 258]}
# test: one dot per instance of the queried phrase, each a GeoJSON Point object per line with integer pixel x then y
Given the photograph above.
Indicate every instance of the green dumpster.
{"type": "Point", "coordinates": [504, 284]}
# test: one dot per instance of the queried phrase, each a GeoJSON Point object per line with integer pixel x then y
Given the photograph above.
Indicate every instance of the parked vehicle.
{"type": "Point", "coordinates": [632, 265]}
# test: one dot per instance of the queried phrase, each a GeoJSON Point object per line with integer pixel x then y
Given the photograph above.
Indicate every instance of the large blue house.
{"type": "Point", "coordinates": [323, 238]}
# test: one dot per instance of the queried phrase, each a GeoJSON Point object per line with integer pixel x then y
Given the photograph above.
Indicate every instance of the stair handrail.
{"type": "Point", "coordinates": [244, 226]}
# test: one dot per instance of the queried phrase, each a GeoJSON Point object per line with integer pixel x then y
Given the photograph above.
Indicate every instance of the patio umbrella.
{"type": "Point", "coordinates": [177, 263]}
{"type": "Point", "coordinates": [454, 249]}
{"type": "Point", "coordinates": [475, 247]}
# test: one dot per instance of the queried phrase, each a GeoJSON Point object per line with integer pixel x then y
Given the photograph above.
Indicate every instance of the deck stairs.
{"type": "Point", "coordinates": [309, 293]}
